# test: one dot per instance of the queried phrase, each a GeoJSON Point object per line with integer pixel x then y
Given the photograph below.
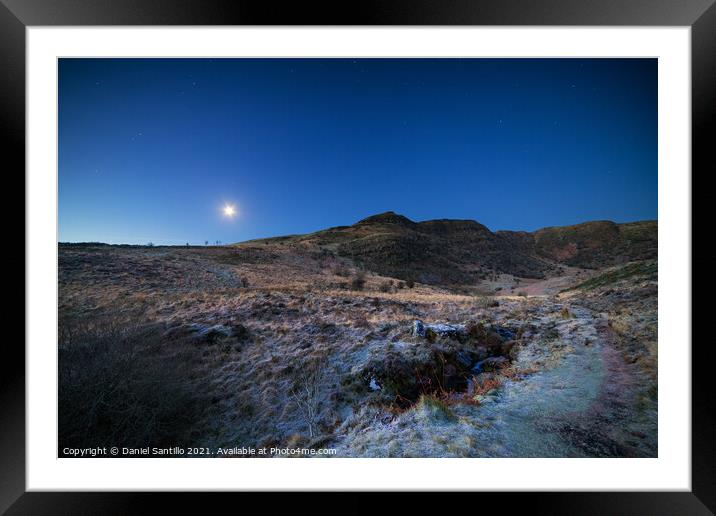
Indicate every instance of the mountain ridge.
{"type": "Point", "coordinates": [453, 251]}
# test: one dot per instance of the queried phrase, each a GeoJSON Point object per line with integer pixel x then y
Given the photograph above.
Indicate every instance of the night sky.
{"type": "Point", "coordinates": [153, 149]}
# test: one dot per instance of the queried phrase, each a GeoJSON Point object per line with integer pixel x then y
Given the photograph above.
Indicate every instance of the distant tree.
{"type": "Point", "coordinates": [150, 244]}
{"type": "Point", "coordinates": [206, 242]}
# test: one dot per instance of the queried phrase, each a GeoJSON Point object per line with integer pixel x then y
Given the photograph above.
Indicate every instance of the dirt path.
{"type": "Point", "coordinates": [586, 405]}
{"type": "Point", "coordinates": [580, 403]}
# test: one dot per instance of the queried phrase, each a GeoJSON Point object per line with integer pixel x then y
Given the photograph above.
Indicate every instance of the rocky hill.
{"type": "Point", "coordinates": [464, 251]}
{"type": "Point", "coordinates": [598, 244]}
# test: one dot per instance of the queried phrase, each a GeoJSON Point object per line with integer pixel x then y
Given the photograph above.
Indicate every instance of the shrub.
{"type": "Point", "coordinates": [385, 286]}
{"type": "Point", "coordinates": [401, 285]}
{"type": "Point", "coordinates": [486, 302]}
{"type": "Point", "coordinates": [360, 321]}
{"type": "Point", "coordinates": [116, 384]}
{"type": "Point", "coordinates": [522, 293]}
{"type": "Point", "coordinates": [308, 393]}
{"type": "Point", "coordinates": [358, 281]}
{"type": "Point", "coordinates": [484, 384]}
{"type": "Point", "coordinates": [241, 332]}
{"type": "Point", "coordinates": [410, 283]}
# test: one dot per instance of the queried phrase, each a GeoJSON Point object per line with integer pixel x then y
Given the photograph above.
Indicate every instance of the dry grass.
{"type": "Point", "coordinates": [482, 386]}
{"type": "Point", "coordinates": [282, 313]}
{"type": "Point", "coordinates": [117, 383]}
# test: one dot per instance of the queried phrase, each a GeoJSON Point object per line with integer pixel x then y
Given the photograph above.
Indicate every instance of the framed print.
{"type": "Point", "coordinates": [422, 249]}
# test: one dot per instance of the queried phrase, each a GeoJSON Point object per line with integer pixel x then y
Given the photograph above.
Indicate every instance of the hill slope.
{"type": "Point", "coordinates": [598, 244]}
{"type": "Point", "coordinates": [464, 251]}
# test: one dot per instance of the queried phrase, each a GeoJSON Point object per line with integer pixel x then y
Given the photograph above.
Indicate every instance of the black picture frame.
{"type": "Point", "coordinates": [16, 15]}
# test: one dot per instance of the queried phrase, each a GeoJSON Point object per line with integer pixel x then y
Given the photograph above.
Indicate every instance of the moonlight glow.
{"type": "Point", "coordinates": [229, 211]}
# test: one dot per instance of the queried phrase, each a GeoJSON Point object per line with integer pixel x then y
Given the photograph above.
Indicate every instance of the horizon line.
{"type": "Point", "coordinates": [210, 244]}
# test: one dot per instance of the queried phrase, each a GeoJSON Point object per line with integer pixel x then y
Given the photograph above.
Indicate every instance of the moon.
{"type": "Point", "coordinates": [229, 211]}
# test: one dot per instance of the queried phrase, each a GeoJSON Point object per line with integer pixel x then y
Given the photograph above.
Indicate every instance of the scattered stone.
{"type": "Point", "coordinates": [490, 364]}
{"type": "Point", "coordinates": [418, 328]}
{"type": "Point", "coordinates": [210, 334]}
{"type": "Point", "coordinates": [504, 332]}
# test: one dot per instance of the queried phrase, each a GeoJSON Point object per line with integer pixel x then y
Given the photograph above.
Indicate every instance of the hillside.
{"type": "Point", "coordinates": [273, 344]}
{"type": "Point", "coordinates": [598, 244]}
{"type": "Point", "coordinates": [464, 251]}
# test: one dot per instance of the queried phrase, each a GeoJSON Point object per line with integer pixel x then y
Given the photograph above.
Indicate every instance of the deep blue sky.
{"type": "Point", "coordinates": [150, 149]}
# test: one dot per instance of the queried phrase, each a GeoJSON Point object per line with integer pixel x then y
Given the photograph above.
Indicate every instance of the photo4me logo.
{"type": "Point", "coordinates": [274, 452]}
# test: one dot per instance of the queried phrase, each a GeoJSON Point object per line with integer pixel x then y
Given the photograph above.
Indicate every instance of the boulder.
{"type": "Point", "coordinates": [445, 330]}
{"type": "Point", "coordinates": [432, 331]}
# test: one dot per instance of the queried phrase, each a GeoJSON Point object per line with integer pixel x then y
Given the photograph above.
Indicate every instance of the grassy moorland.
{"type": "Point", "coordinates": [526, 345]}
